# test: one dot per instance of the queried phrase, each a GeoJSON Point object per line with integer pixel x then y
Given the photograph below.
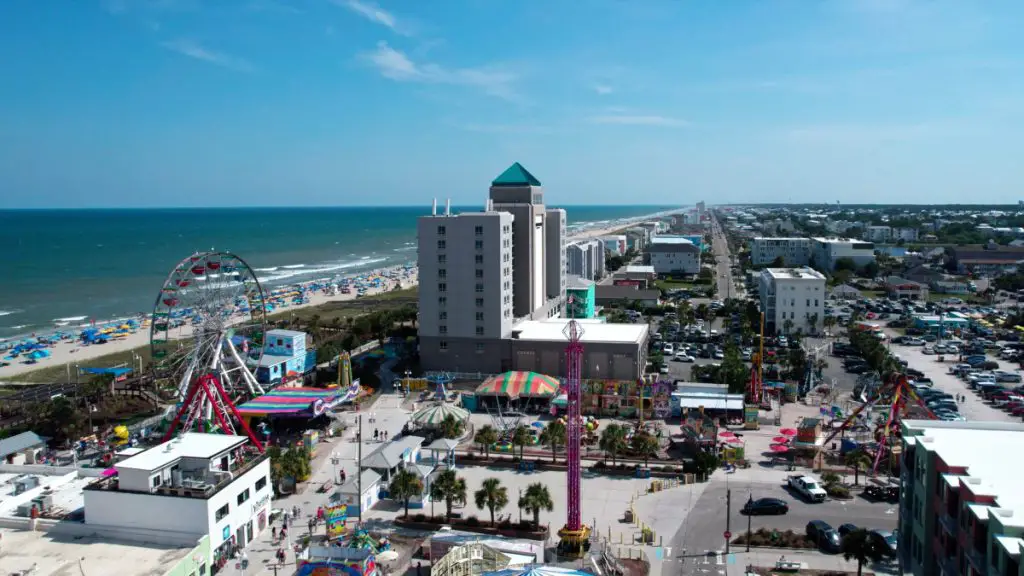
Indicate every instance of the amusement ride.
{"type": "Point", "coordinates": [206, 337]}
{"type": "Point", "coordinates": [574, 536]}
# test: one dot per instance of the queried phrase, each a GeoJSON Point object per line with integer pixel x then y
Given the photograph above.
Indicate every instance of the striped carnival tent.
{"type": "Point", "coordinates": [515, 385]}
{"type": "Point", "coordinates": [433, 415]}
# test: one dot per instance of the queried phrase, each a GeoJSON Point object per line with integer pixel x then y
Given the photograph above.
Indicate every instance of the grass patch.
{"type": "Point", "coordinates": [669, 284]}
{"type": "Point", "coordinates": [327, 312]}
{"type": "Point", "coordinates": [873, 293]}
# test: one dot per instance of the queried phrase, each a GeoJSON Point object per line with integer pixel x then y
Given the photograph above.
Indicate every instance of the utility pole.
{"type": "Point", "coordinates": [750, 519]}
{"type": "Point", "coordinates": [728, 513]}
{"type": "Point", "coordinates": [359, 471]}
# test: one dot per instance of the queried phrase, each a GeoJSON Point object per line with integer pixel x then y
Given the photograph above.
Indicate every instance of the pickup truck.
{"type": "Point", "coordinates": [807, 487]}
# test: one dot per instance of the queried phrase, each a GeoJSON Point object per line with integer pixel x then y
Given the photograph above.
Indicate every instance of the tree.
{"type": "Point", "coordinates": [554, 435]}
{"type": "Point", "coordinates": [486, 436]}
{"type": "Point", "coordinates": [787, 326]}
{"type": "Point", "coordinates": [613, 441]}
{"type": "Point", "coordinates": [779, 262]}
{"type": "Point", "coordinates": [404, 486]}
{"type": "Point", "coordinates": [845, 264]}
{"type": "Point", "coordinates": [812, 319]}
{"type": "Point", "coordinates": [733, 371]}
{"type": "Point", "coordinates": [857, 545]}
{"type": "Point", "coordinates": [705, 463]}
{"type": "Point", "coordinates": [534, 499]}
{"type": "Point", "coordinates": [645, 445]}
{"type": "Point", "coordinates": [521, 437]}
{"type": "Point", "coordinates": [870, 270]}
{"type": "Point", "coordinates": [829, 479]}
{"type": "Point", "coordinates": [450, 488]}
{"type": "Point", "coordinates": [451, 427]}
{"type": "Point", "coordinates": [491, 495]}
{"type": "Point", "coordinates": [858, 460]}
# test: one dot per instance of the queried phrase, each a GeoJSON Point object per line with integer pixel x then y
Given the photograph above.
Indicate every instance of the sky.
{"type": "Point", "coordinates": [138, 103]}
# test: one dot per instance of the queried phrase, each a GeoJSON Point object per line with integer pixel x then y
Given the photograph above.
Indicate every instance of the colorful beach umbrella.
{"type": "Point", "coordinates": [780, 439]}
{"type": "Point", "coordinates": [788, 432]}
{"type": "Point", "coordinates": [780, 448]}
{"type": "Point", "coordinates": [726, 434]}
{"type": "Point", "coordinates": [434, 415]}
{"type": "Point", "coordinates": [519, 385]}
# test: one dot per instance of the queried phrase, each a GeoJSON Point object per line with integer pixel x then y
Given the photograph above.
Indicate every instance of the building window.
{"type": "Point", "coordinates": [442, 316]}
{"type": "Point", "coordinates": [479, 244]}
{"type": "Point", "coordinates": [442, 300]}
{"type": "Point", "coordinates": [479, 347]}
{"type": "Point", "coordinates": [441, 258]}
{"type": "Point", "coordinates": [808, 302]}
{"type": "Point", "coordinates": [441, 231]}
{"type": "Point", "coordinates": [479, 330]}
{"type": "Point", "coordinates": [442, 273]}
{"type": "Point", "coordinates": [442, 287]}
{"type": "Point", "coordinates": [479, 316]}
{"type": "Point", "coordinates": [440, 244]}
{"type": "Point", "coordinates": [479, 302]}
{"type": "Point", "coordinates": [261, 483]}
{"type": "Point", "coordinates": [442, 329]}
{"type": "Point", "coordinates": [479, 288]}
{"type": "Point", "coordinates": [479, 231]}
{"type": "Point", "coordinates": [815, 301]}
{"type": "Point", "coordinates": [243, 496]}
{"type": "Point", "coordinates": [156, 480]}
{"type": "Point", "coordinates": [221, 513]}
{"type": "Point", "coordinates": [442, 345]}
{"type": "Point", "coordinates": [479, 258]}
{"type": "Point", "coordinates": [479, 273]}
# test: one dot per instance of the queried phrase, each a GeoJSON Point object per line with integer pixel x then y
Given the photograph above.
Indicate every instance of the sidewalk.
{"type": "Point", "coordinates": [389, 416]}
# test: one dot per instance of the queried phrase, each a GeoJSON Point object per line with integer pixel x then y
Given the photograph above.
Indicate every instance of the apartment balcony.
{"type": "Point", "coordinates": [948, 566]}
{"type": "Point", "coordinates": [948, 524]}
{"type": "Point", "coordinates": [977, 559]}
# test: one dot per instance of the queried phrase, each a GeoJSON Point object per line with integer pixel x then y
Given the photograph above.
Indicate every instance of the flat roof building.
{"type": "Point", "coordinates": [792, 299]}
{"type": "Point", "coordinates": [673, 255]}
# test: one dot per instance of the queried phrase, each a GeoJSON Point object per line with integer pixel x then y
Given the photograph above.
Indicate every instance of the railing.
{"type": "Point", "coordinates": [202, 491]}
{"type": "Point", "coordinates": [948, 523]}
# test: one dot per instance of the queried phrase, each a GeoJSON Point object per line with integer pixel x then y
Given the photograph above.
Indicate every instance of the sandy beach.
{"type": "Point", "coordinates": [70, 352]}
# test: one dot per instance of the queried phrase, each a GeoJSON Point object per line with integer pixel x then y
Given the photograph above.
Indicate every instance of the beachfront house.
{"type": "Point", "coordinates": [285, 357]}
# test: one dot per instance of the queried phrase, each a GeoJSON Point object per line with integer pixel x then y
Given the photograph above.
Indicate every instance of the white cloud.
{"type": "Point", "coordinates": [372, 12]}
{"type": "Point", "coordinates": [603, 89]}
{"type": "Point", "coordinates": [397, 66]}
{"type": "Point", "coordinates": [639, 120]}
{"type": "Point", "coordinates": [193, 49]}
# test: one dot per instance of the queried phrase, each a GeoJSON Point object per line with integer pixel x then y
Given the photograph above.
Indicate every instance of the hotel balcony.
{"type": "Point", "coordinates": [948, 567]}
{"type": "Point", "coordinates": [948, 524]}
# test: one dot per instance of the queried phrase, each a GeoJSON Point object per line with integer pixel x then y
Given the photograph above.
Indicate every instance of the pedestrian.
{"type": "Point", "coordinates": [273, 533]}
{"type": "Point", "coordinates": [376, 434]}
{"type": "Point", "coordinates": [310, 523]}
{"type": "Point", "coordinates": [419, 569]}
{"type": "Point", "coordinates": [385, 435]}
{"type": "Point", "coordinates": [284, 533]}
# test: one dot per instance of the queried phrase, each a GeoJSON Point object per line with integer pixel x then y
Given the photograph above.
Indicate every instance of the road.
{"type": "Point", "coordinates": [705, 524]}
{"type": "Point", "coordinates": [723, 273]}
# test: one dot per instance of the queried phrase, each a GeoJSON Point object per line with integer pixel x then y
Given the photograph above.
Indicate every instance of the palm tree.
{"type": "Point", "coordinates": [787, 325]}
{"type": "Point", "coordinates": [857, 545]}
{"type": "Point", "coordinates": [705, 463]}
{"type": "Point", "coordinates": [554, 435]}
{"type": "Point", "coordinates": [534, 499]}
{"type": "Point", "coordinates": [451, 427]}
{"type": "Point", "coordinates": [829, 479]}
{"type": "Point", "coordinates": [858, 460]}
{"type": "Point", "coordinates": [521, 437]}
{"type": "Point", "coordinates": [613, 441]}
{"type": "Point", "coordinates": [491, 495]}
{"type": "Point", "coordinates": [450, 488]}
{"type": "Point", "coordinates": [404, 486]}
{"type": "Point", "coordinates": [486, 436]}
{"type": "Point", "coordinates": [645, 445]}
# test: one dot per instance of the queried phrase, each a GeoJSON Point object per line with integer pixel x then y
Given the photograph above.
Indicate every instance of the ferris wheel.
{"type": "Point", "coordinates": [209, 320]}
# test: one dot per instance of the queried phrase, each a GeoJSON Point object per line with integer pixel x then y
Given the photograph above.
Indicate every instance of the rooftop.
{"type": "Point", "coordinates": [389, 455]}
{"type": "Point", "coordinates": [840, 241]}
{"type": "Point", "coordinates": [189, 445]}
{"type": "Point", "coordinates": [795, 274]}
{"type": "Point", "coordinates": [48, 554]}
{"type": "Point", "coordinates": [980, 447]}
{"type": "Point", "coordinates": [636, 269]}
{"type": "Point", "coordinates": [65, 489]}
{"type": "Point", "coordinates": [285, 333]}
{"type": "Point", "coordinates": [20, 442]}
{"type": "Point", "coordinates": [553, 330]}
{"type": "Point", "coordinates": [516, 175]}
{"type": "Point", "coordinates": [670, 240]}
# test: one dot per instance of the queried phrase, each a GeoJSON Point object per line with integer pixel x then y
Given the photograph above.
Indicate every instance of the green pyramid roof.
{"type": "Point", "coordinates": [516, 175]}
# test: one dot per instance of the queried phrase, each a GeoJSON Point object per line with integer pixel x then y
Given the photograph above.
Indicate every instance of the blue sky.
{"type": "Point", "coordinates": [327, 102]}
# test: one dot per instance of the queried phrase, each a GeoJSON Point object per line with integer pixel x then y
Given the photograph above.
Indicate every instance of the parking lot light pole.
{"type": "Point", "coordinates": [728, 513]}
{"type": "Point", "coordinates": [750, 518]}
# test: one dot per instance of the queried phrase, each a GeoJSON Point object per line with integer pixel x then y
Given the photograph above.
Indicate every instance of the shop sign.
{"type": "Point", "coordinates": [260, 503]}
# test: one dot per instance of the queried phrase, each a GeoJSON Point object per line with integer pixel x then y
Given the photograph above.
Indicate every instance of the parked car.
{"type": "Point", "coordinates": [765, 506]}
{"type": "Point", "coordinates": [884, 541]}
{"type": "Point", "coordinates": [824, 535]}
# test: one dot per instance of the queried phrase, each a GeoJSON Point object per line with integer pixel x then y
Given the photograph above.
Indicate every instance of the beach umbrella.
{"type": "Point", "coordinates": [735, 441]}
{"type": "Point", "coordinates": [780, 439]}
{"type": "Point", "coordinates": [726, 434]}
{"type": "Point", "coordinates": [387, 556]}
{"type": "Point", "coordinates": [537, 424]}
{"type": "Point", "coordinates": [435, 414]}
{"type": "Point", "coordinates": [519, 385]}
{"type": "Point", "coordinates": [787, 432]}
{"type": "Point", "coordinates": [779, 448]}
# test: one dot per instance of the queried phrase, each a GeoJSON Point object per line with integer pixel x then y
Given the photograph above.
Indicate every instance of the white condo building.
{"type": "Point", "coordinates": [826, 251]}
{"type": "Point", "coordinates": [793, 251]}
{"type": "Point", "coordinates": [674, 255]}
{"type": "Point", "coordinates": [186, 488]}
{"type": "Point", "coordinates": [585, 259]}
{"type": "Point", "coordinates": [792, 299]}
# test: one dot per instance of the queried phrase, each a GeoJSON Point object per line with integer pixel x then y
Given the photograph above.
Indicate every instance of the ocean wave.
{"type": "Point", "coordinates": [71, 319]}
{"type": "Point", "coordinates": [293, 266]}
{"type": "Point", "coordinates": [270, 269]}
{"type": "Point", "coordinates": [8, 312]}
{"type": "Point", "coordinates": [404, 249]}
{"type": "Point", "coordinates": [277, 278]}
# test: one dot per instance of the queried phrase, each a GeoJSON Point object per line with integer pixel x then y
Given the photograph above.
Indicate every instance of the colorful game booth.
{"type": "Point", "coordinates": [297, 402]}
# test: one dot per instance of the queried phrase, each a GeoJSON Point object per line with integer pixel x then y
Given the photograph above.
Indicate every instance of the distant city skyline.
{"type": "Point", "coordinates": [165, 103]}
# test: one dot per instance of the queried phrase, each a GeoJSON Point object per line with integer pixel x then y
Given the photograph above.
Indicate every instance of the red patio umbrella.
{"type": "Point", "coordinates": [780, 448]}
{"type": "Point", "coordinates": [780, 439]}
{"type": "Point", "coordinates": [787, 432]}
{"type": "Point", "coordinates": [726, 434]}
{"type": "Point", "coordinates": [734, 441]}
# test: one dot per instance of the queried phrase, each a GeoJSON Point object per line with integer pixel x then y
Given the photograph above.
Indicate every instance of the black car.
{"type": "Point", "coordinates": [884, 541]}
{"type": "Point", "coordinates": [845, 529]}
{"type": "Point", "coordinates": [824, 535]}
{"type": "Point", "coordinates": [765, 506]}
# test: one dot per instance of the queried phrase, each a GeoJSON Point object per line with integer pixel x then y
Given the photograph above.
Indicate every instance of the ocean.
{"type": "Point", "coordinates": [74, 266]}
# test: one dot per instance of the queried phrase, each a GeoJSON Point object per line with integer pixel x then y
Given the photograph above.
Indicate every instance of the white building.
{"type": "Point", "coordinates": [674, 255]}
{"type": "Point", "coordinates": [615, 244]}
{"type": "Point", "coordinates": [880, 234]}
{"type": "Point", "coordinates": [826, 251]}
{"type": "Point", "coordinates": [194, 485]}
{"type": "Point", "coordinates": [793, 251]}
{"type": "Point", "coordinates": [792, 299]}
{"type": "Point", "coordinates": [585, 259]}
{"type": "Point", "coordinates": [905, 234]}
